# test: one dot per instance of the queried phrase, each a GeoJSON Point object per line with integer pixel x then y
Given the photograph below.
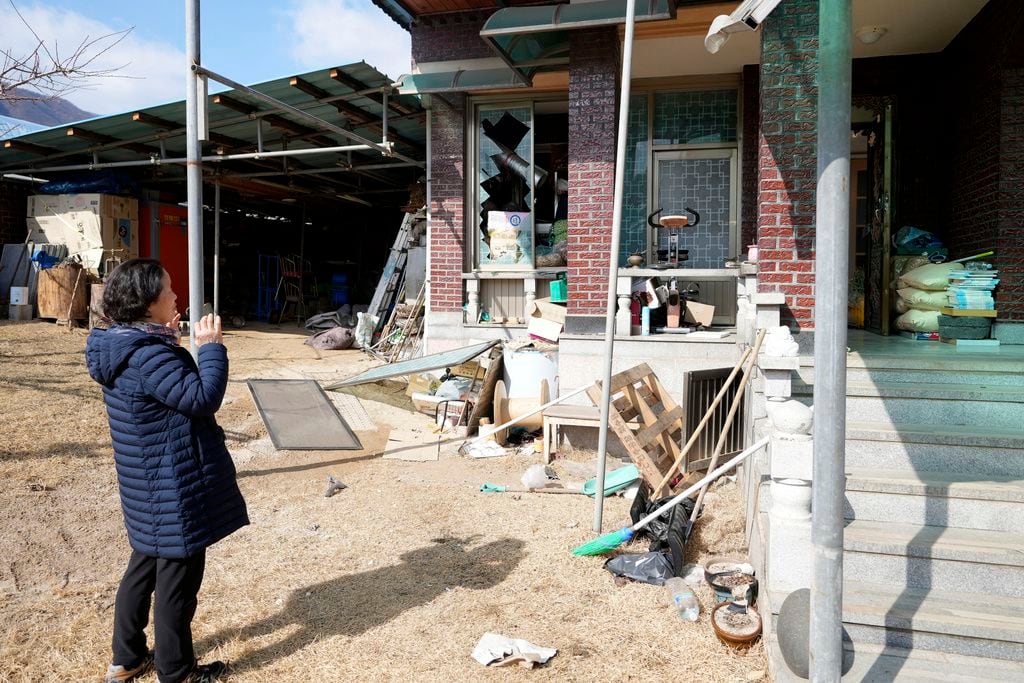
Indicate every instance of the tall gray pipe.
{"type": "Point", "coordinates": [613, 261]}
{"type": "Point", "coordinates": [193, 172]}
{"type": "Point", "coordinates": [832, 268]}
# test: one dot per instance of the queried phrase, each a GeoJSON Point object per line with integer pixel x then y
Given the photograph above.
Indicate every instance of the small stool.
{"type": "Point", "coordinates": [562, 415]}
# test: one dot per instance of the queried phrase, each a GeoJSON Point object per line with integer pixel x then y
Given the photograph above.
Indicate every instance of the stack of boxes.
{"type": "Point", "coordinates": [96, 227]}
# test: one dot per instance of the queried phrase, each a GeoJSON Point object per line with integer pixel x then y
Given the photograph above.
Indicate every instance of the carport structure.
{"type": "Point", "coordinates": [326, 140]}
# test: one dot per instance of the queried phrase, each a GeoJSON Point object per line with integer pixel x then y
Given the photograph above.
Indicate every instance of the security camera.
{"type": "Point", "coordinates": [747, 17]}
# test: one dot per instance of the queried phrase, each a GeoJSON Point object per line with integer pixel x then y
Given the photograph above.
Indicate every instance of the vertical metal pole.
{"type": "Point", "coordinates": [259, 134]}
{"type": "Point", "coordinates": [427, 300]}
{"type": "Point", "coordinates": [832, 268]}
{"type": "Point", "coordinates": [613, 262]}
{"type": "Point", "coordinates": [216, 247]}
{"type": "Point", "coordinates": [194, 173]}
{"type": "Point", "coordinates": [384, 119]}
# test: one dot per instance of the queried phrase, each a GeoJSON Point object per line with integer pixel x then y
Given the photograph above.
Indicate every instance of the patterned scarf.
{"type": "Point", "coordinates": [170, 333]}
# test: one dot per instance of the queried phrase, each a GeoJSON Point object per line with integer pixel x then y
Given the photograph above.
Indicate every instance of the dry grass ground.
{"type": "Point", "coordinates": [396, 577]}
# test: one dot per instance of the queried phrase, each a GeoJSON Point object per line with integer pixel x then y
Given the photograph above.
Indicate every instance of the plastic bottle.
{"type": "Point", "coordinates": [645, 321]}
{"type": "Point", "coordinates": [682, 599]}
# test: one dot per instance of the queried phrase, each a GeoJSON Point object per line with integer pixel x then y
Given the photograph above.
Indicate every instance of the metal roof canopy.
{"type": "Point", "coordinates": [248, 127]}
{"type": "Point", "coordinates": [530, 39]}
{"type": "Point", "coordinates": [462, 80]}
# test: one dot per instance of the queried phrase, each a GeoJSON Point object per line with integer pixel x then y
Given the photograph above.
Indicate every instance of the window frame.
{"type": "Point", "coordinates": [471, 217]}
{"type": "Point", "coordinates": [655, 86]}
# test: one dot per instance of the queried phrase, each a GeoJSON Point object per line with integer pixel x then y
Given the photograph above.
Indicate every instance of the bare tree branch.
{"type": "Point", "coordinates": [43, 73]}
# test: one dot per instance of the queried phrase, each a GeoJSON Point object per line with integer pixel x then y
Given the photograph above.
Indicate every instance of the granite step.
{"type": "Point", "coordinates": [897, 665]}
{"type": "Point", "coordinates": [899, 375]}
{"type": "Point", "coordinates": [935, 499]}
{"type": "Point", "coordinates": [938, 448]}
{"type": "Point", "coordinates": [1000, 407]}
{"type": "Point", "coordinates": [940, 558]}
{"type": "Point", "coordinates": [986, 624]}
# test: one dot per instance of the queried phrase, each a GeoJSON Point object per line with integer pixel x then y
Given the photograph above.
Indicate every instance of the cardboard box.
{"type": "Point", "coordinates": [546, 320]}
{"type": "Point", "coordinates": [699, 313]}
{"type": "Point", "coordinates": [467, 369]}
{"type": "Point", "coordinates": [43, 205]}
{"type": "Point", "coordinates": [100, 205]}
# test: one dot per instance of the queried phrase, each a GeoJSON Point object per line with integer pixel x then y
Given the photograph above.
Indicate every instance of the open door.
{"type": "Point", "coordinates": [877, 243]}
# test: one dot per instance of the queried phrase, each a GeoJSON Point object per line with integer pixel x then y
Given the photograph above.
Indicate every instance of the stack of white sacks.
{"type": "Point", "coordinates": [921, 295]}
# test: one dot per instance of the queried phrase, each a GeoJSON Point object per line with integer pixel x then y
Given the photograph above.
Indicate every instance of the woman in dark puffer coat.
{"type": "Point", "coordinates": [174, 472]}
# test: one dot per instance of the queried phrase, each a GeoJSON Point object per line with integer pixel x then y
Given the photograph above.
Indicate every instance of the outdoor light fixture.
{"type": "Point", "coordinates": [871, 34]}
{"type": "Point", "coordinates": [746, 17]}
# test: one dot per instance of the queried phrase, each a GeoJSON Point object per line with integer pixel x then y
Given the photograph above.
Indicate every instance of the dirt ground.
{"type": "Point", "coordinates": [395, 577]}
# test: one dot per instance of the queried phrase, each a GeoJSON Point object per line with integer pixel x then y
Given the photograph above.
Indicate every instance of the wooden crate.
{"type": "Point", "coordinates": [63, 289]}
{"type": "Point", "coordinates": [638, 396]}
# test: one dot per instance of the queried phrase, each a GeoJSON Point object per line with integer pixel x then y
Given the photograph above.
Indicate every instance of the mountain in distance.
{"type": "Point", "coordinates": [44, 111]}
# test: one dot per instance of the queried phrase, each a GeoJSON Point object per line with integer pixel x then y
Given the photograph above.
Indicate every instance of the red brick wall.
{"type": "Point", "coordinates": [13, 196]}
{"type": "Point", "coordinates": [748, 173]}
{"type": "Point", "coordinates": [447, 196]}
{"type": "Point", "coordinates": [985, 195]}
{"type": "Point", "coordinates": [787, 158]}
{"type": "Point", "coordinates": [593, 69]}
{"type": "Point", "coordinates": [448, 37]}
{"type": "Point", "coordinates": [1010, 241]}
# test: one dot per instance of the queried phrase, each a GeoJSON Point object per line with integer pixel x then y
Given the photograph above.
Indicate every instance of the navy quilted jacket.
{"type": "Point", "coordinates": [174, 473]}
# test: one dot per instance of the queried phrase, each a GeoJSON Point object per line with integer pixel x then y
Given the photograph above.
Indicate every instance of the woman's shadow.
{"type": "Point", "coordinates": [354, 603]}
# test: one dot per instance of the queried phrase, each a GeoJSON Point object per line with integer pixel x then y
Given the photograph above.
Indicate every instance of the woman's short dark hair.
{"type": "Point", "coordinates": [131, 289]}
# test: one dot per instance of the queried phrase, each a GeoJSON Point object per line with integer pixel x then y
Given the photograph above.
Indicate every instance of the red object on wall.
{"type": "Point", "coordinates": [173, 252]}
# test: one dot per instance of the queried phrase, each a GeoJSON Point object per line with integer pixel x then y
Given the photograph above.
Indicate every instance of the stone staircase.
{"type": "Point", "coordinates": [934, 542]}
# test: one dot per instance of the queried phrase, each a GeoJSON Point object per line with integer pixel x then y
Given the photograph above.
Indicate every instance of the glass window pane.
{"type": "Point", "coordinates": [704, 185]}
{"type": "Point", "coordinates": [634, 198]}
{"type": "Point", "coordinates": [695, 117]}
{"type": "Point", "coordinates": [505, 181]}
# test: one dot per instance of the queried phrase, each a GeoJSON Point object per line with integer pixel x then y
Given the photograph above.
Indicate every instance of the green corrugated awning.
{"type": "Point", "coordinates": [532, 38]}
{"type": "Point", "coordinates": [462, 80]}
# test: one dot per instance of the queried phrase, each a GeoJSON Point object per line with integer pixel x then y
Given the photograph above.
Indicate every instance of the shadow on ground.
{"type": "Point", "coordinates": [352, 604]}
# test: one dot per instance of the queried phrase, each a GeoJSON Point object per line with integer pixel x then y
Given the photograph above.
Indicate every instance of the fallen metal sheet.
{"type": "Point", "coordinates": [445, 359]}
{"type": "Point", "coordinates": [300, 417]}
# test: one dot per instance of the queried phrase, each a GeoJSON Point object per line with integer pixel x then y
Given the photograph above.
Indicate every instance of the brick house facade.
{"type": "Point", "coordinates": [959, 178]}
{"type": "Point", "coordinates": [593, 71]}
{"type": "Point", "coordinates": [787, 158]}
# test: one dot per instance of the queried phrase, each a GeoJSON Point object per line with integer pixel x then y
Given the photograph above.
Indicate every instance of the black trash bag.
{"type": "Point", "coordinates": [334, 339]}
{"type": "Point", "coordinates": [667, 531]}
{"type": "Point", "coordinates": [653, 568]}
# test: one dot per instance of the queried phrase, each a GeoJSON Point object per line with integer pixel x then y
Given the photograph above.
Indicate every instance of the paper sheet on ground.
{"type": "Point", "coordinates": [498, 650]}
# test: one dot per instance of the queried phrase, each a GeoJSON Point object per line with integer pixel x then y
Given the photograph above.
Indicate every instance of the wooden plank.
{"type": "Point", "coordinates": [665, 423]}
{"type": "Point", "coordinates": [969, 312]}
{"type": "Point", "coordinates": [627, 377]}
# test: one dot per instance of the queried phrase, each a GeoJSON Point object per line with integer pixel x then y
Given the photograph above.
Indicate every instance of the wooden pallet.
{"type": "Point", "coordinates": [638, 396]}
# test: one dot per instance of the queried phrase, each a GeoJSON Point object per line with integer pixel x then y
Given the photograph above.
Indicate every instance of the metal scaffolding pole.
{"type": "Point", "coordinates": [832, 254]}
{"type": "Point", "coordinates": [216, 247]}
{"type": "Point", "coordinates": [613, 263]}
{"type": "Point", "coordinates": [194, 173]}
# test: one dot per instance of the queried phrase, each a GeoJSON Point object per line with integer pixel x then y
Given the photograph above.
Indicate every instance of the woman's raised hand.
{"type": "Point", "coordinates": [208, 330]}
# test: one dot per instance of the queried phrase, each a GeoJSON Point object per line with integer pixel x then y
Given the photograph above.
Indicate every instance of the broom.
{"type": "Point", "coordinates": [609, 542]}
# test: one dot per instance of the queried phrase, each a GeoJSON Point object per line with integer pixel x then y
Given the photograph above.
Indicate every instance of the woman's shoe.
{"type": "Point", "coordinates": [117, 673]}
{"type": "Point", "coordinates": [207, 673]}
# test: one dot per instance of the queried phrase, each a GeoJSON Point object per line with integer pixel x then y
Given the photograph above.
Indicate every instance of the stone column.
{"type": "Point", "coordinates": [789, 537]}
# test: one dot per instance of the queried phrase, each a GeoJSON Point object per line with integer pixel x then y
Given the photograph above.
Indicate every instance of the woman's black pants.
{"type": "Point", "coordinates": [172, 587]}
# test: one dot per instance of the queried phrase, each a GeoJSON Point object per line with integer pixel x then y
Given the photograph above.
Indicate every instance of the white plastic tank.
{"type": "Point", "coordinates": [525, 367]}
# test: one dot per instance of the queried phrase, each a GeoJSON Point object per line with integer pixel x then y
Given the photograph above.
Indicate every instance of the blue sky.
{"type": "Point", "coordinates": [247, 40]}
